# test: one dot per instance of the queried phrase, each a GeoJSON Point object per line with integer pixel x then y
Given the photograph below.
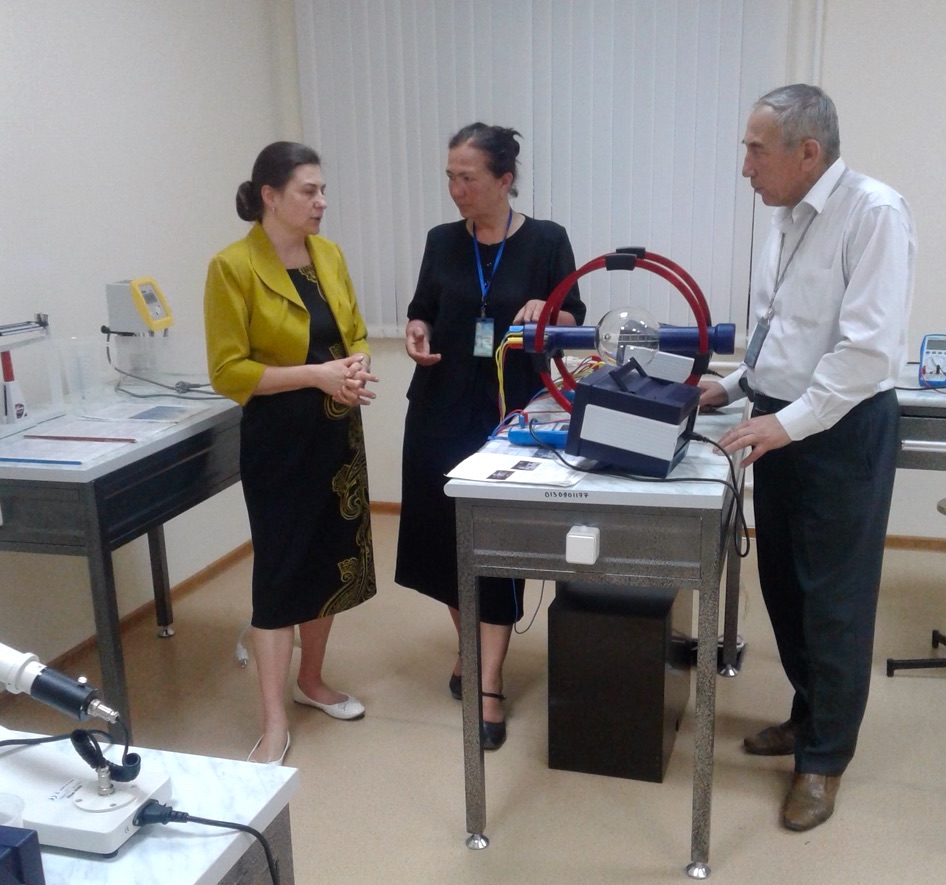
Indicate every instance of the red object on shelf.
{"type": "Point", "coordinates": [7, 362]}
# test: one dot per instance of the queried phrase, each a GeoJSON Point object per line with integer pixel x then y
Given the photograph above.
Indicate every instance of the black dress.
{"type": "Point", "coordinates": [454, 404]}
{"type": "Point", "coordinates": [305, 482]}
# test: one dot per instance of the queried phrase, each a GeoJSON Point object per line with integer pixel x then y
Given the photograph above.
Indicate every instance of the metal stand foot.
{"type": "Point", "coordinates": [165, 632]}
{"type": "Point", "coordinates": [724, 668]}
{"type": "Point", "coordinates": [476, 841]}
{"type": "Point", "coordinates": [698, 870]}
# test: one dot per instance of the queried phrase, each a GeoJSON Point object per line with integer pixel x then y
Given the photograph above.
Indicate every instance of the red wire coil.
{"type": "Point", "coordinates": [658, 264]}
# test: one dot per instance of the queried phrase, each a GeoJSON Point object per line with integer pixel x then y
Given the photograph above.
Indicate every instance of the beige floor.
{"type": "Point", "coordinates": [382, 799]}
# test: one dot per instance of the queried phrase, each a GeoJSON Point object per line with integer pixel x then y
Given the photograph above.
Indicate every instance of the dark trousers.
{"type": "Point", "coordinates": [821, 506]}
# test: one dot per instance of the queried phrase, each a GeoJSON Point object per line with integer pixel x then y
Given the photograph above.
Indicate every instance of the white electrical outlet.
{"type": "Point", "coordinates": [582, 545]}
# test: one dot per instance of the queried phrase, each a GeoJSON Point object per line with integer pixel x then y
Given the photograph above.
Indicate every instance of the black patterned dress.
{"type": "Point", "coordinates": [305, 482]}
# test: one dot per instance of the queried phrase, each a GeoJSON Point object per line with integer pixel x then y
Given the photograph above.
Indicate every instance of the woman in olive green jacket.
{"type": "Point", "coordinates": [285, 339]}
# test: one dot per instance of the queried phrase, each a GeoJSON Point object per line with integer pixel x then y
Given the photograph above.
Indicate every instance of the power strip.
{"type": "Point", "coordinates": [555, 434]}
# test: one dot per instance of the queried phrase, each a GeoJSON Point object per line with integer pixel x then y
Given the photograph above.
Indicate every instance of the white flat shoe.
{"type": "Point", "coordinates": [350, 708]}
{"type": "Point", "coordinates": [271, 761]}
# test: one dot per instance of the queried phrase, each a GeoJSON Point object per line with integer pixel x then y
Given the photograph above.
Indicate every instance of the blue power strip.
{"type": "Point", "coordinates": [550, 434]}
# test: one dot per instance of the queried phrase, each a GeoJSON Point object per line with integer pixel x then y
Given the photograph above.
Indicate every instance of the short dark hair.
{"type": "Point", "coordinates": [498, 143]}
{"type": "Point", "coordinates": [274, 167]}
{"type": "Point", "coordinates": [802, 112]}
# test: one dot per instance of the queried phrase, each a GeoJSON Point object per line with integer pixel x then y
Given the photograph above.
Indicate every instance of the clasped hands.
{"type": "Point", "coordinates": [346, 380]}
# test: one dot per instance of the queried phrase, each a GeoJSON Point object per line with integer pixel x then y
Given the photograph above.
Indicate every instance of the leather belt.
{"type": "Point", "coordinates": [762, 404]}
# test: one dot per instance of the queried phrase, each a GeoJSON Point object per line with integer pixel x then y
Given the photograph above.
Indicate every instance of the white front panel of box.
{"type": "Point", "coordinates": [621, 430]}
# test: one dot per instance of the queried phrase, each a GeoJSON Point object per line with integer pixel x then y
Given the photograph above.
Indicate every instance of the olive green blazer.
{"type": "Point", "coordinates": [253, 316]}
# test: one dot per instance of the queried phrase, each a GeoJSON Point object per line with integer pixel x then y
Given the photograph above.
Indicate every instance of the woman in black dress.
{"type": "Point", "coordinates": [493, 269]}
{"type": "Point", "coordinates": [286, 340]}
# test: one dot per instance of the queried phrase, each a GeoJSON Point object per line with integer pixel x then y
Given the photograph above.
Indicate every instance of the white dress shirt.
{"type": "Point", "coordinates": [838, 325]}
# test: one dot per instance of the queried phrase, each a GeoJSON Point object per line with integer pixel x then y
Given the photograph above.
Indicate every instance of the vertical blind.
{"type": "Point", "coordinates": [631, 111]}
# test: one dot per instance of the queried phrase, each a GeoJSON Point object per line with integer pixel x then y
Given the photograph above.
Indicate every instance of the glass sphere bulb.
{"type": "Point", "coordinates": [627, 333]}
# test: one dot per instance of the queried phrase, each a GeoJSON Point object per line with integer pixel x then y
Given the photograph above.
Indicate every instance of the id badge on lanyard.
{"type": "Point", "coordinates": [763, 326]}
{"type": "Point", "coordinates": [484, 331]}
{"type": "Point", "coordinates": [483, 337]}
{"type": "Point", "coordinates": [756, 342]}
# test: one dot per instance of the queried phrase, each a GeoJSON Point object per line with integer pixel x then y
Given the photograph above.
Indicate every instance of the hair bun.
{"type": "Point", "coordinates": [245, 203]}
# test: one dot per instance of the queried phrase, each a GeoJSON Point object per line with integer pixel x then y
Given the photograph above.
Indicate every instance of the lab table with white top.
{"type": "Point", "coordinates": [92, 508]}
{"type": "Point", "coordinates": [677, 533]}
{"type": "Point", "coordinates": [189, 853]}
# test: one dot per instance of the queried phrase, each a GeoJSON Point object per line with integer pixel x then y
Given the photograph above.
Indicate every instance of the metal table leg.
{"type": "Point", "coordinates": [107, 629]}
{"type": "Point", "coordinates": [708, 621]}
{"type": "Point", "coordinates": [161, 582]}
{"type": "Point", "coordinates": [473, 761]}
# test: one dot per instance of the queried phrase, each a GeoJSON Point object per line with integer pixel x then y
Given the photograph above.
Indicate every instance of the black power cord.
{"type": "Point", "coordinates": [154, 812]}
{"type": "Point", "coordinates": [740, 513]}
{"type": "Point", "coordinates": [86, 743]}
{"type": "Point", "coordinates": [742, 526]}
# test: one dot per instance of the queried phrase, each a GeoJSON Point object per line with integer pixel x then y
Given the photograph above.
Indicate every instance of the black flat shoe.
{"type": "Point", "coordinates": [493, 734]}
{"type": "Point", "coordinates": [456, 686]}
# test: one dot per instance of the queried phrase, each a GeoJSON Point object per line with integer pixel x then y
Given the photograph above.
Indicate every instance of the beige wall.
{"type": "Point", "coordinates": [884, 66]}
{"type": "Point", "coordinates": [126, 128]}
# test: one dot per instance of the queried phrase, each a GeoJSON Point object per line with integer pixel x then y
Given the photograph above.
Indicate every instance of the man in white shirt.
{"type": "Point", "coordinates": [831, 301]}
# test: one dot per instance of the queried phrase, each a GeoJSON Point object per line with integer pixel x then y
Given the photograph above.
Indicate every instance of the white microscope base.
{"type": "Point", "coordinates": [61, 797]}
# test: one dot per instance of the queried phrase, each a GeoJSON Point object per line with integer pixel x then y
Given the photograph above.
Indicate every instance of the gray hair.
{"type": "Point", "coordinates": [803, 112]}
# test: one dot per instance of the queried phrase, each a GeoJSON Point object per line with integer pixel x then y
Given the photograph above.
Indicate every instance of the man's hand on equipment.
{"type": "Point", "coordinates": [712, 395]}
{"type": "Point", "coordinates": [759, 435]}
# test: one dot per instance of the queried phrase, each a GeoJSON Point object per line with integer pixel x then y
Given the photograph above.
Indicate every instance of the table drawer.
{"type": "Point", "coordinates": [665, 545]}
{"type": "Point", "coordinates": [42, 516]}
{"type": "Point", "coordinates": [147, 494]}
{"type": "Point", "coordinates": [922, 443]}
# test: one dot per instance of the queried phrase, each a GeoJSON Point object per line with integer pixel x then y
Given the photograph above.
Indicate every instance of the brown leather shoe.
{"type": "Point", "coordinates": [776, 740]}
{"type": "Point", "coordinates": [810, 801]}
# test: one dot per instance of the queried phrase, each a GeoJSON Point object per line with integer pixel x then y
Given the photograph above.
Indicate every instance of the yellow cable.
{"type": "Point", "coordinates": [508, 341]}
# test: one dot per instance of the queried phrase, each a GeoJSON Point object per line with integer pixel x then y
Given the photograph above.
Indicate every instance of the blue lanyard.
{"type": "Point", "coordinates": [484, 286]}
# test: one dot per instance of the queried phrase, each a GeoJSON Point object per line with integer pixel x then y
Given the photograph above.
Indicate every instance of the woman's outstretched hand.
{"type": "Point", "coordinates": [417, 343]}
